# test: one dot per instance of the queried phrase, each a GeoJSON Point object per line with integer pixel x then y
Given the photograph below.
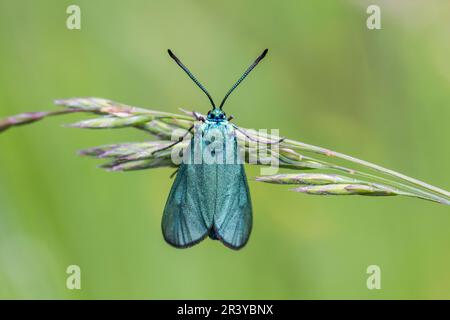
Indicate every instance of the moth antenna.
{"type": "Point", "coordinates": [254, 64]}
{"type": "Point", "coordinates": [182, 66]}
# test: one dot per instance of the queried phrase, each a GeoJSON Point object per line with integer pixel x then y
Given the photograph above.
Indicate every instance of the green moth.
{"type": "Point", "coordinates": [210, 198]}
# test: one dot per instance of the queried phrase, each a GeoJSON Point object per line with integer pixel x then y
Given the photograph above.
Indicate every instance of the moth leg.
{"type": "Point", "coordinates": [176, 142]}
{"type": "Point", "coordinates": [197, 116]}
{"type": "Point", "coordinates": [174, 173]}
{"type": "Point", "coordinates": [230, 117]}
{"type": "Point", "coordinates": [256, 139]}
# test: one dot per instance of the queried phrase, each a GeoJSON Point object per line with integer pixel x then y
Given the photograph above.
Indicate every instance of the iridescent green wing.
{"type": "Point", "coordinates": [233, 210]}
{"type": "Point", "coordinates": [187, 216]}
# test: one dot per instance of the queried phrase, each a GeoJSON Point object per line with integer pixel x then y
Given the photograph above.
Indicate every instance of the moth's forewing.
{"type": "Point", "coordinates": [233, 211]}
{"type": "Point", "coordinates": [187, 216]}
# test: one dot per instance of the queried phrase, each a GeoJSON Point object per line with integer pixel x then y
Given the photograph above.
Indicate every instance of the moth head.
{"type": "Point", "coordinates": [216, 115]}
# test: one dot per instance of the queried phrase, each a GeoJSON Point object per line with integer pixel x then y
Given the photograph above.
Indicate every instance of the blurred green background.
{"type": "Point", "coordinates": [380, 95]}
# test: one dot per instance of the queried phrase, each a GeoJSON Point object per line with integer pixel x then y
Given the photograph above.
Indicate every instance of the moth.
{"type": "Point", "coordinates": [210, 199]}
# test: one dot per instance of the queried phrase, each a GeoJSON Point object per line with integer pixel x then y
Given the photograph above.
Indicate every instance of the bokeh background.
{"type": "Point", "coordinates": [380, 95]}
